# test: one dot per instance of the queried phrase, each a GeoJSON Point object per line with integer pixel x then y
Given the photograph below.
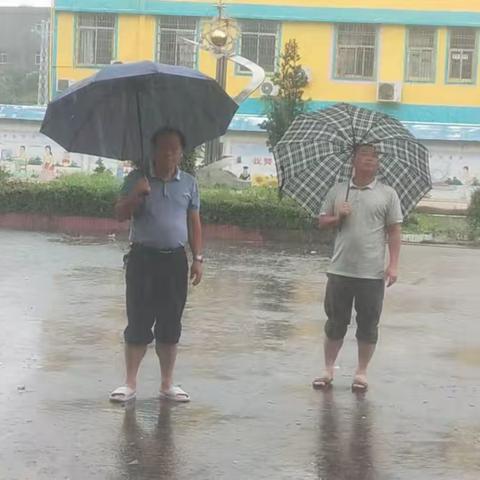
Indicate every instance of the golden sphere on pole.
{"type": "Point", "coordinates": [219, 38]}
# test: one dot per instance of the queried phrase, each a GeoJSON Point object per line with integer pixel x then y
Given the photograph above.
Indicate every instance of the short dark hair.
{"type": "Point", "coordinates": [169, 131]}
{"type": "Point", "coordinates": [363, 145]}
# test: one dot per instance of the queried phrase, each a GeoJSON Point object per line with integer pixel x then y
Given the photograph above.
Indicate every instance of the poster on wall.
{"type": "Point", "coordinates": [33, 155]}
{"type": "Point", "coordinates": [455, 176]}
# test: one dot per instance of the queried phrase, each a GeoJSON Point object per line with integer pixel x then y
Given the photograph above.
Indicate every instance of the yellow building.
{"type": "Point", "coordinates": [416, 59]}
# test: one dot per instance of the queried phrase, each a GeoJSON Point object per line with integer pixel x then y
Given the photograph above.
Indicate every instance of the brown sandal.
{"type": "Point", "coordinates": [359, 386]}
{"type": "Point", "coordinates": [322, 383]}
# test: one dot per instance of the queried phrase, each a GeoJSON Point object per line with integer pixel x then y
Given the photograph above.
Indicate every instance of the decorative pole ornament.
{"type": "Point", "coordinates": [220, 34]}
{"type": "Point", "coordinates": [219, 37]}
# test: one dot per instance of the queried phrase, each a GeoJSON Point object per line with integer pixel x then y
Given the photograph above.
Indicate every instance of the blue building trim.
{"type": "Point", "coordinates": [276, 12]}
{"type": "Point", "coordinates": [21, 112]}
{"type": "Point", "coordinates": [405, 113]}
{"type": "Point", "coordinates": [423, 131]}
{"type": "Point", "coordinates": [251, 123]}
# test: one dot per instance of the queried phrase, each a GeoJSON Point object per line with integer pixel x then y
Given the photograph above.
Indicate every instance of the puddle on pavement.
{"type": "Point", "coordinates": [86, 241]}
{"type": "Point", "coordinates": [466, 356]}
{"type": "Point", "coordinates": [462, 449]}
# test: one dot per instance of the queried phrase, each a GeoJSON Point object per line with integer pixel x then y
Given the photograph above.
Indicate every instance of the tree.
{"type": "Point", "coordinates": [100, 169]}
{"type": "Point", "coordinates": [189, 162]}
{"type": "Point", "coordinates": [18, 88]}
{"type": "Point", "coordinates": [291, 81]}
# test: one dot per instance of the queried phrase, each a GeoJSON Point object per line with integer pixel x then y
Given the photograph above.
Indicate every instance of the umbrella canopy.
{"type": "Point", "coordinates": [317, 151]}
{"type": "Point", "coordinates": [115, 112]}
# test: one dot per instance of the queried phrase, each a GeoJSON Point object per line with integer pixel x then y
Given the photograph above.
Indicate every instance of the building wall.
{"type": "Point", "coordinates": [18, 37]}
{"type": "Point", "coordinates": [136, 32]}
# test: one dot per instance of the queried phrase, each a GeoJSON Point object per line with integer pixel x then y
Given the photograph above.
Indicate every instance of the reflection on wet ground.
{"type": "Point", "coordinates": [252, 344]}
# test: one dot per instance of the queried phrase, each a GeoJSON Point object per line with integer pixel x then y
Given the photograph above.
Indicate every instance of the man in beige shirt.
{"type": "Point", "coordinates": [357, 275]}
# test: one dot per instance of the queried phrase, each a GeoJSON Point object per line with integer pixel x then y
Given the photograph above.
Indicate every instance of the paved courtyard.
{"type": "Point", "coordinates": [252, 344]}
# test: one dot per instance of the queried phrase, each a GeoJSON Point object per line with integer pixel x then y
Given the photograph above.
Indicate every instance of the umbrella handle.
{"type": "Point", "coordinates": [140, 132]}
{"type": "Point", "coordinates": [347, 195]}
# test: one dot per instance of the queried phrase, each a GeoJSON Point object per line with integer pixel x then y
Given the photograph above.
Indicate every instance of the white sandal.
{"type": "Point", "coordinates": [176, 394]}
{"type": "Point", "coordinates": [123, 394]}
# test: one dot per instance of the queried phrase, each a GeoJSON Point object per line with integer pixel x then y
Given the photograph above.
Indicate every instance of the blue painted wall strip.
{"type": "Point", "coordinates": [405, 113]}
{"type": "Point", "coordinates": [276, 12]}
{"type": "Point", "coordinates": [449, 123]}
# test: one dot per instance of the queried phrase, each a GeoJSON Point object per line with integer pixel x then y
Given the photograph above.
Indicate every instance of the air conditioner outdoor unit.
{"type": "Point", "coordinates": [63, 84]}
{"type": "Point", "coordinates": [269, 89]}
{"type": "Point", "coordinates": [389, 92]}
{"type": "Point", "coordinates": [308, 74]}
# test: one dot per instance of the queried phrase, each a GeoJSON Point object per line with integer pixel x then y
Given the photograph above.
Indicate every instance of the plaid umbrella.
{"type": "Point", "coordinates": [317, 150]}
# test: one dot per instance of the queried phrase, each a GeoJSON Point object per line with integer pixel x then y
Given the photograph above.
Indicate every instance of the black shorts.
{"type": "Point", "coordinates": [157, 284]}
{"type": "Point", "coordinates": [345, 292]}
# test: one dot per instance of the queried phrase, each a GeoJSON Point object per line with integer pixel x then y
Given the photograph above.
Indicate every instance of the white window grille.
{"type": "Point", "coordinates": [95, 39]}
{"type": "Point", "coordinates": [355, 51]}
{"type": "Point", "coordinates": [171, 46]}
{"type": "Point", "coordinates": [421, 54]}
{"type": "Point", "coordinates": [259, 43]}
{"type": "Point", "coordinates": [462, 53]}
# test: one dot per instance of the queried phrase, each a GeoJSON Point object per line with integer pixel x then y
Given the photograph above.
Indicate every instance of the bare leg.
{"type": "Point", "coordinates": [167, 355]}
{"type": "Point", "coordinates": [133, 357]}
{"type": "Point", "coordinates": [365, 354]}
{"type": "Point", "coordinates": [332, 349]}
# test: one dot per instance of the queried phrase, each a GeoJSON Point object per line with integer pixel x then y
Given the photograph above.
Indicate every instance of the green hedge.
{"type": "Point", "coordinates": [474, 214]}
{"type": "Point", "coordinates": [94, 196]}
{"type": "Point", "coordinates": [78, 194]}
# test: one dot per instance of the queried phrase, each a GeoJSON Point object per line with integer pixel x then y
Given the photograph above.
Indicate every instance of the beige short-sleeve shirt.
{"type": "Point", "coordinates": [360, 243]}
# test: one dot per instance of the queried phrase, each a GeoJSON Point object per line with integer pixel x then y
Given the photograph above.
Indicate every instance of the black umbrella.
{"type": "Point", "coordinates": [115, 112]}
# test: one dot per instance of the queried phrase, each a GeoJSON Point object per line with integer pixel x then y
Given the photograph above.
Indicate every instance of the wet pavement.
{"type": "Point", "coordinates": [251, 346]}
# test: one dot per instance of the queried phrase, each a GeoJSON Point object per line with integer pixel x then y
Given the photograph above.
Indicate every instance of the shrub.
{"type": "Point", "coordinates": [474, 213]}
{"type": "Point", "coordinates": [35, 161]}
{"type": "Point", "coordinates": [4, 174]}
{"type": "Point", "coordinates": [94, 195]}
{"type": "Point", "coordinates": [254, 208]}
{"type": "Point", "coordinates": [77, 194]}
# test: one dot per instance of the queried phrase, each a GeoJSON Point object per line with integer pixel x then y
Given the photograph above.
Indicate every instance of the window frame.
{"type": "Point", "coordinates": [76, 46]}
{"type": "Point", "coordinates": [374, 76]}
{"type": "Point", "coordinates": [158, 30]}
{"type": "Point", "coordinates": [434, 49]}
{"type": "Point", "coordinates": [3, 54]}
{"type": "Point", "coordinates": [241, 71]}
{"type": "Point", "coordinates": [458, 81]}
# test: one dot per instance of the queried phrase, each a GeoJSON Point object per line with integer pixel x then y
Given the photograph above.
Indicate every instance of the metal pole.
{"type": "Point", "coordinates": [42, 94]}
{"type": "Point", "coordinates": [213, 149]}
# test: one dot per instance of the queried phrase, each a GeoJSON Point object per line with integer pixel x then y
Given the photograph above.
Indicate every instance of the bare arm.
{"type": "Point", "coordinates": [333, 221]}
{"type": "Point", "coordinates": [196, 244]}
{"type": "Point", "coordinates": [394, 233]}
{"type": "Point", "coordinates": [329, 221]}
{"type": "Point", "coordinates": [126, 206]}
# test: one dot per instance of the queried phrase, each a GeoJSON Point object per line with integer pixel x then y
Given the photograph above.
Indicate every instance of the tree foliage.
{"type": "Point", "coordinates": [18, 88]}
{"type": "Point", "coordinates": [291, 81]}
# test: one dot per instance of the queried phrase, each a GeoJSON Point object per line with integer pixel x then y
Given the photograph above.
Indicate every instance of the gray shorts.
{"type": "Point", "coordinates": [343, 293]}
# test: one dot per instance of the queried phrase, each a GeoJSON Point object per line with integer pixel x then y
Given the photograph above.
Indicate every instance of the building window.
{"type": "Point", "coordinates": [462, 52]}
{"type": "Point", "coordinates": [3, 58]}
{"type": "Point", "coordinates": [38, 58]}
{"type": "Point", "coordinates": [421, 54]}
{"type": "Point", "coordinates": [171, 46]}
{"type": "Point", "coordinates": [95, 39]}
{"type": "Point", "coordinates": [259, 42]}
{"type": "Point", "coordinates": [355, 51]}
